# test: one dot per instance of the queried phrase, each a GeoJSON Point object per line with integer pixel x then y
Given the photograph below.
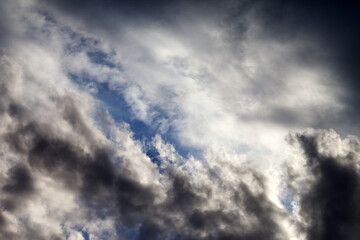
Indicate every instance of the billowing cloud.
{"type": "Point", "coordinates": [83, 165]}
{"type": "Point", "coordinates": [327, 185]}
{"type": "Point", "coordinates": [123, 120]}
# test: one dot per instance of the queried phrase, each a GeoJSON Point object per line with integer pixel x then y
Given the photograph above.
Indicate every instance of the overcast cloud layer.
{"type": "Point", "coordinates": [179, 120]}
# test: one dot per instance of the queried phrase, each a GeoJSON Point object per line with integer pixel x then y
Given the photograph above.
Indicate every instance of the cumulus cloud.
{"type": "Point", "coordinates": [168, 121]}
{"type": "Point", "coordinates": [85, 173]}
{"type": "Point", "coordinates": [180, 206]}
{"type": "Point", "coordinates": [327, 185]}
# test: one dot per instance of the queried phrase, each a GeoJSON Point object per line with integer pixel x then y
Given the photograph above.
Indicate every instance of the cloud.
{"type": "Point", "coordinates": [167, 121]}
{"type": "Point", "coordinates": [331, 31]}
{"type": "Point", "coordinates": [211, 71]}
{"type": "Point", "coordinates": [328, 200]}
{"type": "Point", "coordinates": [86, 172]}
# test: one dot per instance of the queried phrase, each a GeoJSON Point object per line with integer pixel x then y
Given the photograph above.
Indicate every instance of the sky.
{"type": "Point", "coordinates": [179, 120]}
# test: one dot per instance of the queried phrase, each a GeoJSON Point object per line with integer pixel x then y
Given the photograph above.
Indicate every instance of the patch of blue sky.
{"type": "Point", "coordinates": [77, 228]}
{"type": "Point", "coordinates": [287, 199]}
{"type": "Point", "coordinates": [287, 205]}
{"type": "Point", "coordinates": [115, 104]}
{"type": "Point", "coordinates": [85, 235]}
{"type": "Point", "coordinates": [113, 101]}
{"type": "Point", "coordinates": [100, 57]}
{"type": "Point", "coordinates": [154, 156]}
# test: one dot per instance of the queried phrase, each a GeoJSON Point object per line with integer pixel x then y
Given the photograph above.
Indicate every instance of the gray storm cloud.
{"type": "Point", "coordinates": [328, 203]}
{"type": "Point", "coordinates": [110, 191]}
{"type": "Point", "coordinates": [228, 80]}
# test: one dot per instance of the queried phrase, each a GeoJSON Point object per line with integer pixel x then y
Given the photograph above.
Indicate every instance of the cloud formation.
{"type": "Point", "coordinates": [328, 204]}
{"type": "Point", "coordinates": [123, 120]}
{"type": "Point", "coordinates": [187, 208]}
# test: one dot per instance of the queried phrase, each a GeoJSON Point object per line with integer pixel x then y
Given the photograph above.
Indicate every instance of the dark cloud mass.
{"type": "Point", "coordinates": [330, 206]}
{"type": "Point", "coordinates": [106, 192]}
{"type": "Point", "coordinates": [331, 30]}
{"type": "Point", "coordinates": [326, 32]}
{"type": "Point", "coordinates": [68, 170]}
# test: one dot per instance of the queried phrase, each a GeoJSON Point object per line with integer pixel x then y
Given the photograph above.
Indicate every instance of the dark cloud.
{"type": "Point", "coordinates": [19, 181]}
{"type": "Point", "coordinates": [107, 190]}
{"type": "Point", "coordinates": [138, 7]}
{"type": "Point", "coordinates": [329, 32]}
{"type": "Point", "coordinates": [108, 14]}
{"type": "Point", "coordinates": [111, 17]}
{"type": "Point", "coordinates": [104, 11]}
{"type": "Point", "coordinates": [326, 34]}
{"type": "Point", "coordinates": [330, 206]}
{"type": "Point", "coordinates": [5, 29]}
